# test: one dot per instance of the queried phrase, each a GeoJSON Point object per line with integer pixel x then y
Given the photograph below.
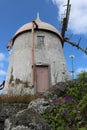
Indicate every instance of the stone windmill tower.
{"type": "Point", "coordinates": [37, 61]}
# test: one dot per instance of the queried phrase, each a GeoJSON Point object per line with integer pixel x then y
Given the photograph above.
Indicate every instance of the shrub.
{"type": "Point", "coordinates": [69, 112]}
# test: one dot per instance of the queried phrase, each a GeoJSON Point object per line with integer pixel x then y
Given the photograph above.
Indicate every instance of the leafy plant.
{"type": "Point", "coordinates": [82, 77]}
{"type": "Point", "coordinates": [69, 112]}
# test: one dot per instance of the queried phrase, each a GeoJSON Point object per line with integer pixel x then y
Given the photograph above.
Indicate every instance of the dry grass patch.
{"type": "Point", "coordinates": [18, 99]}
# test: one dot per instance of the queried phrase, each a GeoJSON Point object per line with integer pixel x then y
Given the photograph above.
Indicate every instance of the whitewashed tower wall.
{"type": "Point", "coordinates": [19, 75]}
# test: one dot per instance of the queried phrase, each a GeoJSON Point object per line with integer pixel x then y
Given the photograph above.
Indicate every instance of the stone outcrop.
{"type": "Point", "coordinates": [27, 119]}
{"type": "Point", "coordinates": [28, 116]}
{"type": "Point", "coordinates": [55, 91]}
{"type": "Point", "coordinates": [7, 110]}
{"type": "Point", "coordinates": [39, 105]}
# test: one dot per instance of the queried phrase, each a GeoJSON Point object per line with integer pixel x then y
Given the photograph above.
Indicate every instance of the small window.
{"type": "Point", "coordinates": [40, 39]}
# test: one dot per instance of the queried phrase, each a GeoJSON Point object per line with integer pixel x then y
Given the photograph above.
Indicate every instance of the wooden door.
{"type": "Point", "coordinates": [42, 78]}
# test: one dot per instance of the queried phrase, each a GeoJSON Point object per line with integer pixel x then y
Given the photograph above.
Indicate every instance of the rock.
{"type": "Point", "coordinates": [39, 105]}
{"type": "Point", "coordinates": [55, 91]}
{"type": "Point", "coordinates": [7, 110]}
{"type": "Point", "coordinates": [28, 119]}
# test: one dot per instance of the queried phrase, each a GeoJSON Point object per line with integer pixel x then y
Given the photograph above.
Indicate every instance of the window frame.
{"type": "Point", "coordinates": [40, 39]}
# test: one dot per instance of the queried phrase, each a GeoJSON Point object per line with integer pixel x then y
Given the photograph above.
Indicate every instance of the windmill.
{"type": "Point", "coordinates": [64, 29]}
{"type": "Point", "coordinates": [33, 59]}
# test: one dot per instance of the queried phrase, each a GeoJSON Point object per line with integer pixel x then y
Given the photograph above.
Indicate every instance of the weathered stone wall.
{"type": "Point", "coordinates": [51, 53]}
{"type": "Point", "coordinates": [18, 80]}
{"type": "Point", "coordinates": [19, 76]}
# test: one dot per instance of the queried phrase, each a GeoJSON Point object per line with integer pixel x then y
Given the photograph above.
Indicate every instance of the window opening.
{"type": "Point", "coordinates": [40, 39]}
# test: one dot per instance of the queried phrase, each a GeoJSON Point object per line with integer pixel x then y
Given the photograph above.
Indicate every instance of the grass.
{"type": "Point", "coordinates": [17, 99]}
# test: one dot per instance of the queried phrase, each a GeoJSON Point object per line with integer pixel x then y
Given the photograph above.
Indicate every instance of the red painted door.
{"type": "Point", "coordinates": [42, 78]}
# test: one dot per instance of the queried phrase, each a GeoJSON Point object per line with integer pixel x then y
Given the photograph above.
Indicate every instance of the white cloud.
{"type": "Point", "coordinates": [78, 14]}
{"type": "Point", "coordinates": [2, 56]}
{"type": "Point", "coordinates": [2, 73]}
{"type": "Point", "coordinates": [79, 70]}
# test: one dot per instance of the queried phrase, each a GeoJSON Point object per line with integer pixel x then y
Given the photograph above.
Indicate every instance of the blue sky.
{"type": "Point", "coordinates": [15, 13]}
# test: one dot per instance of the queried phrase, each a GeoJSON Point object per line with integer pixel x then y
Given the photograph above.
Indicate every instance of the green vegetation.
{"type": "Point", "coordinates": [69, 112]}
